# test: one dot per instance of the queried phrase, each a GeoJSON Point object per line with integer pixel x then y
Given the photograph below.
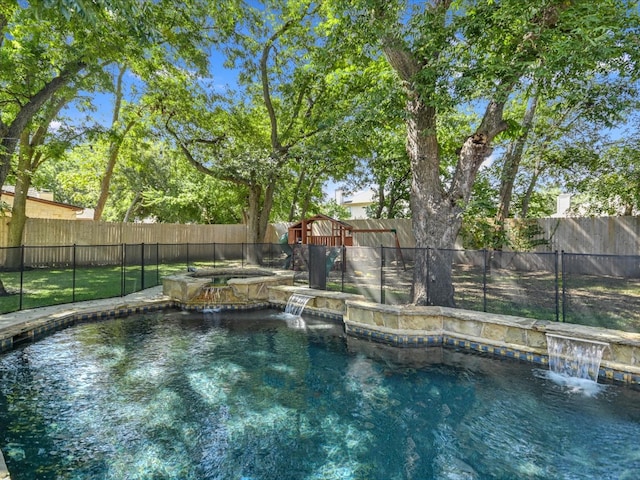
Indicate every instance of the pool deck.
{"type": "Point", "coordinates": [150, 295]}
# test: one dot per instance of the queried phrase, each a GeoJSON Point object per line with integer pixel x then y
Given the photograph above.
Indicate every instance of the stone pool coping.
{"type": "Point", "coordinates": [249, 287]}
{"type": "Point", "coordinates": [518, 338]}
{"type": "Point", "coordinates": [398, 325]}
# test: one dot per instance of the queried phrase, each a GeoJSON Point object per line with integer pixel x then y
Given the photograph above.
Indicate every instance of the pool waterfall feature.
{"type": "Point", "coordinates": [176, 395]}
{"type": "Point", "coordinates": [296, 303]}
{"type": "Point", "coordinates": [575, 357]}
{"type": "Point", "coordinates": [518, 338]}
{"type": "Point", "coordinates": [404, 326]}
{"type": "Point", "coordinates": [227, 288]}
{"type": "Point", "coordinates": [385, 327]}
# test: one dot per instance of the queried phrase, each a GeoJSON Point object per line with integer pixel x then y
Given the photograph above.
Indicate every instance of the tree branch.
{"type": "Point", "coordinates": [11, 133]}
{"type": "Point", "coordinates": [266, 89]}
{"type": "Point", "coordinates": [264, 75]}
{"type": "Point", "coordinates": [198, 165]}
{"type": "Point", "coordinates": [296, 109]}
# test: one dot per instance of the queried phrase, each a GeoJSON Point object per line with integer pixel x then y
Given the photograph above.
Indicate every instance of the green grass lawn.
{"type": "Point", "coordinates": [44, 287]}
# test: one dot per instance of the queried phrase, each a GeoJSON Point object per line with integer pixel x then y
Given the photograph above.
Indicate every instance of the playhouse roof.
{"type": "Point", "coordinates": [321, 217]}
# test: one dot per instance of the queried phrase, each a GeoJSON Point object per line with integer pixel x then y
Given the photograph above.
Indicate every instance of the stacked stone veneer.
{"type": "Point", "coordinates": [188, 290]}
{"type": "Point", "coordinates": [513, 337]}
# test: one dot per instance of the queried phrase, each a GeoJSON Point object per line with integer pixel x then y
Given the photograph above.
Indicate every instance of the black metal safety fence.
{"type": "Point", "coordinates": [598, 290]}
{"type": "Point", "coordinates": [39, 276]}
{"type": "Point", "coordinates": [515, 283]}
{"type": "Point", "coordinates": [586, 289]}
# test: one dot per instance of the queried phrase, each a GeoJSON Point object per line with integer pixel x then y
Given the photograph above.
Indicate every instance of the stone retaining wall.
{"type": "Point", "coordinates": [503, 335]}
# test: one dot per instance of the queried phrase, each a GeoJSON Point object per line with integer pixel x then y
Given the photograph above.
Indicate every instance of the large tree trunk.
{"type": "Point", "coordinates": [30, 159]}
{"type": "Point", "coordinates": [19, 209]}
{"type": "Point", "coordinates": [253, 214]}
{"type": "Point", "coordinates": [18, 220]}
{"type": "Point", "coordinates": [307, 197]}
{"type": "Point", "coordinates": [435, 223]}
{"type": "Point", "coordinates": [437, 213]}
{"type": "Point", "coordinates": [257, 221]}
{"type": "Point", "coordinates": [296, 194]}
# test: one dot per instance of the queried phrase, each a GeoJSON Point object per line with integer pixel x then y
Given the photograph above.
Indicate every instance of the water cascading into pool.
{"type": "Point", "coordinates": [575, 357]}
{"type": "Point", "coordinates": [296, 304]}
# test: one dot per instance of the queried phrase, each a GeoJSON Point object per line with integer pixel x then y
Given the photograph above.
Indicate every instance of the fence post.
{"type": "Point", "coordinates": [382, 293]}
{"type": "Point", "coordinates": [73, 275]}
{"type": "Point", "coordinates": [21, 275]}
{"type": "Point", "coordinates": [484, 279]}
{"type": "Point", "coordinates": [157, 263]}
{"type": "Point", "coordinates": [242, 257]}
{"type": "Point", "coordinates": [344, 267]}
{"type": "Point", "coordinates": [142, 266]}
{"type": "Point", "coordinates": [187, 256]}
{"type": "Point", "coordinates": [428, 292]}
{"type": "Point", "coordinates": [123, 255]}
{"type": "Point", "coordinates": [557, 286]}
{"type": "Point", "coordinates": [564, 286]}
{"type": "Point", "coordinates": [214, 254]}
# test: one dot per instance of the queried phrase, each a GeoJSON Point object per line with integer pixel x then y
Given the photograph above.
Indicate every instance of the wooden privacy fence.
{"type": "Point", "coordinates": [75, 232]}
{"type": "Point", "coordinates": [50, 232]}
{"type": "Point", "coordinates": [597, 235]}
{"type": "Point", "coordinates": [592, 235]}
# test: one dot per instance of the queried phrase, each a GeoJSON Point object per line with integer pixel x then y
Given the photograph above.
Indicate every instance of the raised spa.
{"type": "Point", "coordinates": [228, 287]}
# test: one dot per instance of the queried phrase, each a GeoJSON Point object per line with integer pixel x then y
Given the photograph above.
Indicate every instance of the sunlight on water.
{"type": "Point", "coordinates": [251, 397]}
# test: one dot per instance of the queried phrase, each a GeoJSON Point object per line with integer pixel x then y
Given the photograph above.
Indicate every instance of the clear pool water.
{"type": "Point", "coordinates": [261, 397]}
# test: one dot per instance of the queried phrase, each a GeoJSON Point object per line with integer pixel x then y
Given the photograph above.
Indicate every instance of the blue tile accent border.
{"type": "Point", "coordinates": [223, 308]}
{"type": "Point", "coordinates": [411, 341]}
{"type": "Point", "coordinates": [447, 341]}
{"type": "Point", "coordinates": [6, 344]}
{"type": "Point", "coordinates": [51, 325]}
{"type": "Point", "coordinates": [311, 311]}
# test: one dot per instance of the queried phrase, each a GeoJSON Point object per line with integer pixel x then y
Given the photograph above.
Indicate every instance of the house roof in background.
{"type": "Point", "coordinates": [5, 191]}
{"type": "Point", "coordinates": [362, 197]}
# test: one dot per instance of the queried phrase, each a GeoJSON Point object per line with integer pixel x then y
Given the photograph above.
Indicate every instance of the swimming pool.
{"type": "Point", "coordinates": [264, 396]}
